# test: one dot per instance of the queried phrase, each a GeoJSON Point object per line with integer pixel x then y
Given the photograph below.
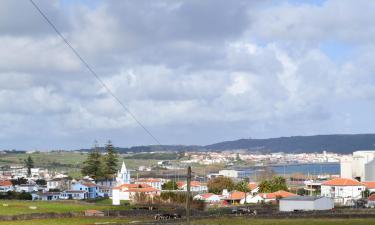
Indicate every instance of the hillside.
{"type": "Point", "coordinates": [340, 143]}
{"type": "Point", "coordinates": [333, 143]}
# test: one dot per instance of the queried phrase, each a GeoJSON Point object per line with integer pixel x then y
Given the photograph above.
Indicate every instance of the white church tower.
{"type": "Point", "coordinates": [123, 176]}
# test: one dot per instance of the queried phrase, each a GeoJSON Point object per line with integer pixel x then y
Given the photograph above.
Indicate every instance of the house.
{"type": "Point", "coordinates": [27, 188]}
{"type": "Point", "coordinates": [370, 186]}
{"type": "Point", "coordinates": [49, 196]}
{"type": "Point", "coordinates": [305, 203]}
{"type": "Point", "coordinates": [371, 201]}
{"type": "Point", "coordinates": [343, 190]}
{"type": "Point", "coordinates": [269, 197]}
{"type": "Point", "coordinates": [129, 192]}
{"type": "Point", "coordinates": [91, 188]}
{"type": "Point", "coordinates": [253, 187]}
{"type": "Point", "coordinates": [195, 186]}
{"type": "Point", "coordinates": [155, 183]}
{"type": "Point", "coordinates": [104, 191]}
{"type": "Point", "coordinates": [234, 198]}
{"type": "Point", "coordinates": [6, 185]}
{"type": "Point", "coordinates": [59, 183]}
{"type": "Point", "coordinates": [76, 195]}
{"type": "Point", "coordinates": [208, 198]}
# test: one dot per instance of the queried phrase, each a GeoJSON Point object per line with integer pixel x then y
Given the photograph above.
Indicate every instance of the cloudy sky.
{"type": "Point", "coordinates": [193, 72]}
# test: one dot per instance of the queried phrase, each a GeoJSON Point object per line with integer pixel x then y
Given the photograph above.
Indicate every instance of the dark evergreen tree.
{"type": "Point", "coordinates": [93, 165]}
{"type": "Point", "coordinates": [29, 163]}
{"type": "Point", "coordinates": [110, 161]}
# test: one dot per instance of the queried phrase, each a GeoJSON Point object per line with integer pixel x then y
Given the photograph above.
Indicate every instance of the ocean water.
{"type": "Point", "coordinates": [312, 169]}
{"type": "Point", "coordinates": [309, 168]}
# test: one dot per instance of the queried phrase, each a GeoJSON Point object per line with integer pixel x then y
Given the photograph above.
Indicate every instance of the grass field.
{"type": "Point", "coordinates": [22, 207]}
{"type": "Point", "coordinates": [69, 221]}
{"type": "Point", "coordinates": [250, 221]}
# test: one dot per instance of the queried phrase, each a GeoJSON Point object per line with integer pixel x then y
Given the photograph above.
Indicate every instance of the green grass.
{"type": "Point", "coordinates": [22, 207]}
{"type": "Point", "coordinates": [308, 221]}
{"type": "Point", "coordinates": [68, 221]}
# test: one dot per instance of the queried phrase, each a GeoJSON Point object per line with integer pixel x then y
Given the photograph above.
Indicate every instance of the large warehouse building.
{"type": "Point", "coordinates": [305, 203]}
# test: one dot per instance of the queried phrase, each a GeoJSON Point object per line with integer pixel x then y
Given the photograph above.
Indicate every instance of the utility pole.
{"type": "Point", "coordinates": [188, 181]}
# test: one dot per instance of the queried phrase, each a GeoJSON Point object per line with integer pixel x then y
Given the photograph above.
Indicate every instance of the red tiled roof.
{"type": "Point", "coordinates": [146, 189]}
{"type": "Point", "coordinates": [206, 195]}
{"type": "Point", "coordinates": [236, 195]}
{"type": "Point", "coordinates": [5, 183]}
{"type": "Point", "coordinates": [343, 182]}
{"type": "Point", "coordinates": [277, 194]}
{"type": "Point", "coordinates": [181, 184]}
{"type": "Point", "coordinates": [369, 184]}
{"type": "Point", "coordinates": [252, 185]}
{"type": "Point", "coordinates": [129, 186]}
{"type": "Point", "coordinates": [372, 197]}
{"type": "Point", "coordinates": [149, 180]}
{"type": "Point", "coordinates": [88, 184]}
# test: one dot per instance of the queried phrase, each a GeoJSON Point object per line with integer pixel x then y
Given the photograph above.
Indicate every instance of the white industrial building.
{"type": "Point", "coordinates": [235, 173]}
{"type": "Point", "coordinates": [359, 166]}
{"type": "Point", "coordinates": [305, 203]}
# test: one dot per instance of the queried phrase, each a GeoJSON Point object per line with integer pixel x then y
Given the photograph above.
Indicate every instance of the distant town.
{"type": "Point", "coordinates": [220, 179]}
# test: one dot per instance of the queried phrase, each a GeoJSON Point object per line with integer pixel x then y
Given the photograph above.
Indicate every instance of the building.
{"type": "Point", "coordinates": [370, 186]}
{"type": "Point", "coordinates": [129, 192]}
{"type": "Point", "coordinates": [268, 197]}
{"type": "Point", "coordinates": [354, 167]}
{"type": "Point", "coordinates": [370, 171]}
{"type": "Point", "coordinates": [6, 185]}
{"type": "Point", "coordinates": [371, 201]}
{"type": "Point", "coordinates": [49, 196]}
{"type": "Point", "coordinates": [27, 188]}
{"type": "Point", "coordinates": [234, 198]}
{"type": "Point", "coordinates": [195, 186]}
{"type": "Point", "coordinates": [253, 187]}
{"type": "Point", "coordinates": [59, 183]}
{"type": "Point", "coordinates": [90, 188]}
{"type": "Point", "coordinates": [305, 203]}
{"type": "Point", "coordinates": [123, 176]}
{"type": "Point", "coordinates": [155, 183]}
{"type": "Point", "coordinates": [76, 195]}
{"type": "Point", "coordinates": [235, 173]}
{"type": "Point", "coordinates": [344, 191]}
{"type": "Point", "coordinates": [208, 198]}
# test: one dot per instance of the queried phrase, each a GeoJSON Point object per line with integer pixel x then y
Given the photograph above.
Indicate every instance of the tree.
{"type": "Point", "coordinates": [29, 163]}
{"type": "Point", "coordinates": [110, 161]}
{"type": "Point", "coordinates": [170, 185]}
{"type": "Point", "coordinates": [93, 165]}
{"type": "Point", "coordinates": [218, 184]}
{"type": "Point", "coordinates": [275, 184]}
{"type": "Point", "coordinates": [242, 186]}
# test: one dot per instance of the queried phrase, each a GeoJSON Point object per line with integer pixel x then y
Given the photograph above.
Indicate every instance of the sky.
{"type": "Point", "coordinates": [193, 72]}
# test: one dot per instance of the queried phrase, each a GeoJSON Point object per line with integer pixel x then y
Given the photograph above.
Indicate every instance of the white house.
{"type": "Point", "coordinates": [195, 186]}
{"type": "Point", "coordinates": [268, 197]}
{"type": "Point", "coordinates": [49, 196]}
{"type": "Point", "coordinates": [59, 183]}
{"type": "Point", "coordinates": [128, 192]}
{"type": "Point", "coordinates": [343, 190]}
{"type": "Point", "coordinates": [155, 183]}
{"type": "Point", "coordinates": [208, 198]}
{"type": "Point", "coordinates": [76, 195]}
{"type": "Point", "coordinates": [6, 185]}
{"type": "Point", "coordinates": [27, 188]}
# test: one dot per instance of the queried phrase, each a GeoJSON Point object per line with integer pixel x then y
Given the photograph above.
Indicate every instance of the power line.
{"type": "Point", "coordinates": [97, 77]}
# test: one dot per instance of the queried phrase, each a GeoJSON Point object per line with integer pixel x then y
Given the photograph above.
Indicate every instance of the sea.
{"type": "Point", "coordinates": [306, 168]}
